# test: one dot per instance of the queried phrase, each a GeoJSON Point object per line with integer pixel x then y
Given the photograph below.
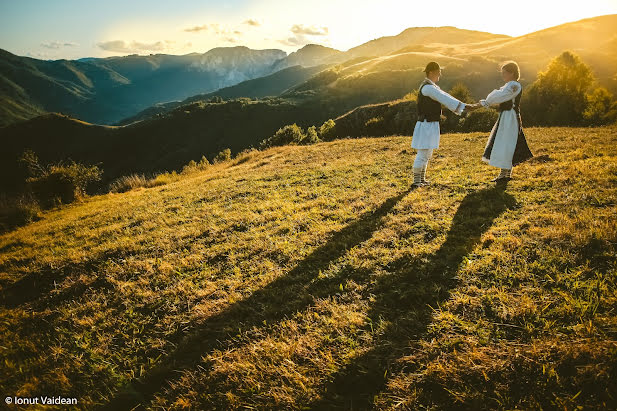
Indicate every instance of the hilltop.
{"type": "Point", "coordinates": [312, 276]}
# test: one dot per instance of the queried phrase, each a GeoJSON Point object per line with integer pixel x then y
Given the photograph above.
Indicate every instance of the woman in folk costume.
{"type": "Point", "coordinates": [426, 132]}
{"type": "Point", "coordinates": [506, 146]}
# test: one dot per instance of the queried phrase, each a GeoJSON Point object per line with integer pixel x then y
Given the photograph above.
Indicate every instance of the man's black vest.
{"type": "Point", "coordinates": [428, 109]}
{"type": "Point", "coordinates": [507, 105]}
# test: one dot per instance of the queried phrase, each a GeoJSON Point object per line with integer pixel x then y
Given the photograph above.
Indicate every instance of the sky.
{"type": "Point", "coordinates": [72, 29]}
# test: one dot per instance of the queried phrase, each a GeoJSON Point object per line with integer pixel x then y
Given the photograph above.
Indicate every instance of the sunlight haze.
{"type": "Point", "coordinates": [73, 29]}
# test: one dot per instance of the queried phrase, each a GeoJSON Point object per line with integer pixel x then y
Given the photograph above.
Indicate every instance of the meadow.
{"type": "Point", "coordinates": [312, 277]}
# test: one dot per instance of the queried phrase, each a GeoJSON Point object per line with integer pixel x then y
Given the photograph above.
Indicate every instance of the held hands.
{"type": "Point", "coordinates": [472, 107]}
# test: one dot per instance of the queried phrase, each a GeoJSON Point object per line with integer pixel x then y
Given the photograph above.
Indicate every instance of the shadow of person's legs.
{"type": "Point", "coordinates": [405, 298]}
{"type": "Point", "coordinates": [284, 296]}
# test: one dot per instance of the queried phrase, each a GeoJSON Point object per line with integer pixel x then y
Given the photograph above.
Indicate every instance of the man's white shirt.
{"type": "Point", "coordinates": [426, 133]}
{"type": "Point", "coordinates": [433, 91]}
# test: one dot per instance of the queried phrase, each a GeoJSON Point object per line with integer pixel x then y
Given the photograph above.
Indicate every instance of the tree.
{"type": "Point", "coordinates": [290, 134]}
{"type": "Point", "coordinates": [31, 161]}
{"type": "Point", "coordinates": [600, 107]}
{"type": "Point", "coordinates": [327, 130]}
{"type": "Point", "coordinates": [558, 96]}
{"type": "Point", "coordinates": [462, 93]}
{"type": "Point", "coordinates": [311, 136]}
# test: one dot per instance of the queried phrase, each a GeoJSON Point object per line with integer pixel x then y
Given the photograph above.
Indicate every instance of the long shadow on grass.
{"type": "Point", "coordinates": [284, 296]}
{"type": "Point", "coordinates": [406, 298]}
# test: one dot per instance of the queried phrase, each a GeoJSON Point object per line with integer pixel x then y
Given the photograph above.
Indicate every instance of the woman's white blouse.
{"type": "Point", "coordinates": [506, 128]}
{"type": "Point", "coordinates": [505, 93]}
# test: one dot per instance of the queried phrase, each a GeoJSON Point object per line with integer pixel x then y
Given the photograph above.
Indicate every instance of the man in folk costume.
{"type": "Point", "coordinates": [506, 146]}
{"type": "Point", "coordinates": [426, 132]}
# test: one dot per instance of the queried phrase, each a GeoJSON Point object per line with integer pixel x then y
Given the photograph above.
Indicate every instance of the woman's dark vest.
{"type": "Point", "coordinates": [507, 105]}
{"type": "Point", "coordinates": [428, 109]}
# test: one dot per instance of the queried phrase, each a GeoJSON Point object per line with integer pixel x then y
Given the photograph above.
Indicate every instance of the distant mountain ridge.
{"type": "Point", "coordinates": [107, 90]}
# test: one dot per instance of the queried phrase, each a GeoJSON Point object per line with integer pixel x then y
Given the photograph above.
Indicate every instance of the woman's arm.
{"type": "Point", "coordinates": [507, 92]}
{"type": "Point", "coordinates": [444, 98]}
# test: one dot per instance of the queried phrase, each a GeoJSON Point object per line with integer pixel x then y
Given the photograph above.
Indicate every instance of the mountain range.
{"type": "Point", "coordinates": [107, 90]}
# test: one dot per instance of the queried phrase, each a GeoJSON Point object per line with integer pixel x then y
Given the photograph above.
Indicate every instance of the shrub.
{"type": "Point", "coordinates": [193, 166]}
{"type": "Point", "coordinates": [600, 108]}
{"type": "Point", "coordinates": [223, 156]}
{"type": "Point", "coordinates": [327, 130]}
{"type": "Point", "coordinates": [64, 183]}
{"type": "Point", "coordinates": [18, 211]}
{"type": "Point", "coordinates": [290, 134]}
{"type": "Point", "coordinates": [190, 167]}
{"type": "Point", "coordinates": [453, 122]}
{"type": "Point", "coordinates": [479, 120]}
{"type": "Point", "coordinates": [203, 163]}
{"type": "Point", "coordinates": [461, 92]}
{"type": "Point", "coordinates": [311, 136]}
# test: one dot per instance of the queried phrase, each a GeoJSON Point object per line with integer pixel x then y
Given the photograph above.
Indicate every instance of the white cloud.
{"type": "Point", "coordinates": [121, 46]}
{"type": "Point", "coordinates": [225, 33]}
{"type": "Point", "coordinates": [197, 29]}
{"type": "Point", "coordinates": [301, 29]}
{"type": "Point", "coordinates": [214, 28]}
{"type": "Point", "coordinates": [252, 22]}
{"type": "Point", "coordinates": [302, 35]}
{"type": "Point", "coordinates": [58, 44]}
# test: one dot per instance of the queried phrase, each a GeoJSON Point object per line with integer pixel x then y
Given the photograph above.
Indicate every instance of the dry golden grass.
{"type": "Point", "coordinates": [313, 277]}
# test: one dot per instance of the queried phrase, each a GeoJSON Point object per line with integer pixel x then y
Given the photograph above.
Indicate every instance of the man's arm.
{"type": "Point", "coordinates": [452, 104]}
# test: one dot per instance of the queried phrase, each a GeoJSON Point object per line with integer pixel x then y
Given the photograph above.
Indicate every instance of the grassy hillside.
{"type": "Point", "coordinates": [420, 35]}
{"type": "Point", "coordinates": [314, 277]}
